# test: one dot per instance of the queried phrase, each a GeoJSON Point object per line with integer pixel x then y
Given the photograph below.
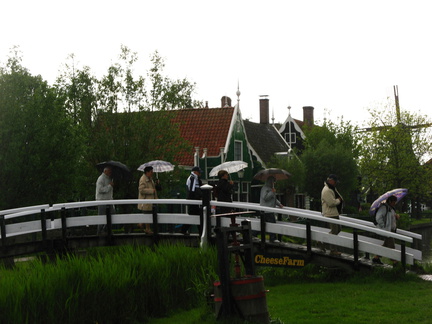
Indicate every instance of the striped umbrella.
{"type": "Point", "coordinates": [158, 166]}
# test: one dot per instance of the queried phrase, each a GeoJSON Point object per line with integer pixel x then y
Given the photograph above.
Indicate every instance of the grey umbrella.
{"type": "Point", "coordinates": [278, 174]}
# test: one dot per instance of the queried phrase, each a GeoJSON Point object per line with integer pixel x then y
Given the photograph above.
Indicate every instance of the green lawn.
{"type": "Point", "coordinates": [385, 298]}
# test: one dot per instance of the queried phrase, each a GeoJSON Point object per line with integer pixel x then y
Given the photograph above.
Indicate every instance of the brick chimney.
{"type": "Point", "coordinates": [225, 102]}
{"type": "Point", "coordinates": [308, 115]}
{"type": "Point", "coordinates": [264, 110]}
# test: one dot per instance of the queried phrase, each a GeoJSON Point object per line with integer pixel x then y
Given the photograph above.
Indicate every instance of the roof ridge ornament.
{"type": "Point", "coordinates": [238, 93]}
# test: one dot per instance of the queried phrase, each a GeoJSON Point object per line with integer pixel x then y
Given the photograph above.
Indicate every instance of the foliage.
{"type": "Point", "coordinates": [330, 149]}
{"type": "Point", "coordinates": [41, 147]}
{"type": "Point", "coordinates": [52, 137]}
{"type": "Point", "coordinates": [167, 94]}
{"type": "Point", "coordinates": [404, 221]}
{"type": "Point", "coordinates": [296, 168]}
{"type": "Point", "coordinates": [393, 151]}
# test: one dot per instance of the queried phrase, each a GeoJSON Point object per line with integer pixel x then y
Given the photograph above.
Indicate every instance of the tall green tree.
{"type": "Point", "coordinates": [126, 110]}
{"type": "Point", "coordinates": [331, 148]}
{"type": "Point", "coordinates": [168, 94]}
{"type": "Point", "coordinates": [40, 156]}
{"type": "Point", "coordinates": [394, 150]}
{"type": "Point", "coordinates": [77, 88]}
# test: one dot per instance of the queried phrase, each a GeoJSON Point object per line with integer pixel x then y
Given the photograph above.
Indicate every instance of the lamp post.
{"type": "Point", "coordinates": [240, 175]}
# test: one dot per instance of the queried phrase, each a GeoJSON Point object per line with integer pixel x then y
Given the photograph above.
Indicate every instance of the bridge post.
{"type": "Point", "coordinates": [308, 237]}
{"type": "Point", "coordinates": [3, 232]}
{"type": "Point", "coordinates": [263, 228]}
{"type": "Point", "coordinates": [356, 248]}
{"type": "Point", "coordinates": [155, 223]}
{"type": "Point", "coordinates": [109, 225]}
{"type": "Point", "coordinates": [64, 226]}
{"type": "Point", "coordinates": [403, 255]}
{"type": "Point", "coordinates": [43, 227]}
{"type": "Point", "coordinates": [206, 197]}
{"type": "Point", "coordinates": [227, 308]}
{"type": "Point", "coordinates": [248, 254]}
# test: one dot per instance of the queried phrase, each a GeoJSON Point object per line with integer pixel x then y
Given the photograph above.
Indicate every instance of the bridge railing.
{"type": "Point", "coordinates": [15, 222]}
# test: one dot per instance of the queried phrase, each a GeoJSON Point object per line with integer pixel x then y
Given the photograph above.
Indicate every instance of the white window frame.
{"type": "Point", "coordinates": [293, 137]}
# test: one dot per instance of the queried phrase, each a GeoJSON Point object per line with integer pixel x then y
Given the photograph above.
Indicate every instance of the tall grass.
{"type": "Point", "coordinates": [116, 285]}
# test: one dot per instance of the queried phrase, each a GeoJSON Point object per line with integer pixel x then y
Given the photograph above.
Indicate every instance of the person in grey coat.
{"type": "Point", "coordinates": [104, 191]}
{"type": "Point", "coordinates": [386, 218]}
{"type": "Point", "coordinates": [268, 199]}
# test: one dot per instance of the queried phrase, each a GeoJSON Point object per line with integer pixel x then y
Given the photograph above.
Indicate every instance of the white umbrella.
{"type": "Point", "coordinates": [230, 167]}
{"type": "Point", "coordinates": [158, 166]}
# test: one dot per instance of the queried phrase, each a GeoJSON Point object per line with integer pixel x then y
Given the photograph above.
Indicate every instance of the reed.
{"type": "Point", "coordinates": [130, 284]}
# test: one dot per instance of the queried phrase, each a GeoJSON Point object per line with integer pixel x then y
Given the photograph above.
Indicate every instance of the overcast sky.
{"type": "Point", "coordinates": [337, 56]}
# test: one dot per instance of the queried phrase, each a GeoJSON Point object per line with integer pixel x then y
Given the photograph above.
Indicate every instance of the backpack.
{"type": "Point", "coordinates": [376, 211]}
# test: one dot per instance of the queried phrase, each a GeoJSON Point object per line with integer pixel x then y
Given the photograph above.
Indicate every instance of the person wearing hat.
{"type": "Point", "coordinates": [332, 203]}
{"type": "Point", "coordinates": [147, 190]}
{"type": "Point", "coordinates": [193, 184]}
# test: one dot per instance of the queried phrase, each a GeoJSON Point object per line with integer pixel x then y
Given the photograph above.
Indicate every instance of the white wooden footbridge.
{"type": "Point", "coordinates": [58, 228]}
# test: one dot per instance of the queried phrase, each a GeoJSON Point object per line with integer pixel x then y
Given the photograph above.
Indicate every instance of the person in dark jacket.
{"type": "Point", "coordinates": [193, 185]}
{"type": "Point", "coordinates": [223, 191]}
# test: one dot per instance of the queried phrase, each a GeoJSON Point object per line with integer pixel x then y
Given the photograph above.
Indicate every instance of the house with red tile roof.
{"type": "Point", "coordinates": [216, 135]}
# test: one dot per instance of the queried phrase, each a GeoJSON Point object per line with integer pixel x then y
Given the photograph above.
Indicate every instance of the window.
{"type": "Point", "coordinates": [293, 137]}
{"type": "Point", "coordinates": [238, 151]}
{"type": "Point", "coordinates": [300, 201]}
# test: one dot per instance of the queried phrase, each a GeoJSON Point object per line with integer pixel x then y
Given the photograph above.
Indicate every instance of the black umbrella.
{"type": "Point", "coordinates": [119, 170]}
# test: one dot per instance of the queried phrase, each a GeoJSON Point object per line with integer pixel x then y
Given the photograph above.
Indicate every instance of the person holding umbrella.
{"type": "Point", "coordinates": [147, 189]}
{"type": "Point", "coordinates": [223, 191]}
{"type": "Point", "coordinates": [268, 199]}
{"type": "Point", "coordinates": [332, 203]}
{"type": "Point", "coordinates": [104, 191]}
{"type": "Point", "coordinates": [386, 219]}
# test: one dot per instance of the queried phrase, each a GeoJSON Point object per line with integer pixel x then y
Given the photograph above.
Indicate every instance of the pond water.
{"type": "Point", "coordinates": [425, 244]}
